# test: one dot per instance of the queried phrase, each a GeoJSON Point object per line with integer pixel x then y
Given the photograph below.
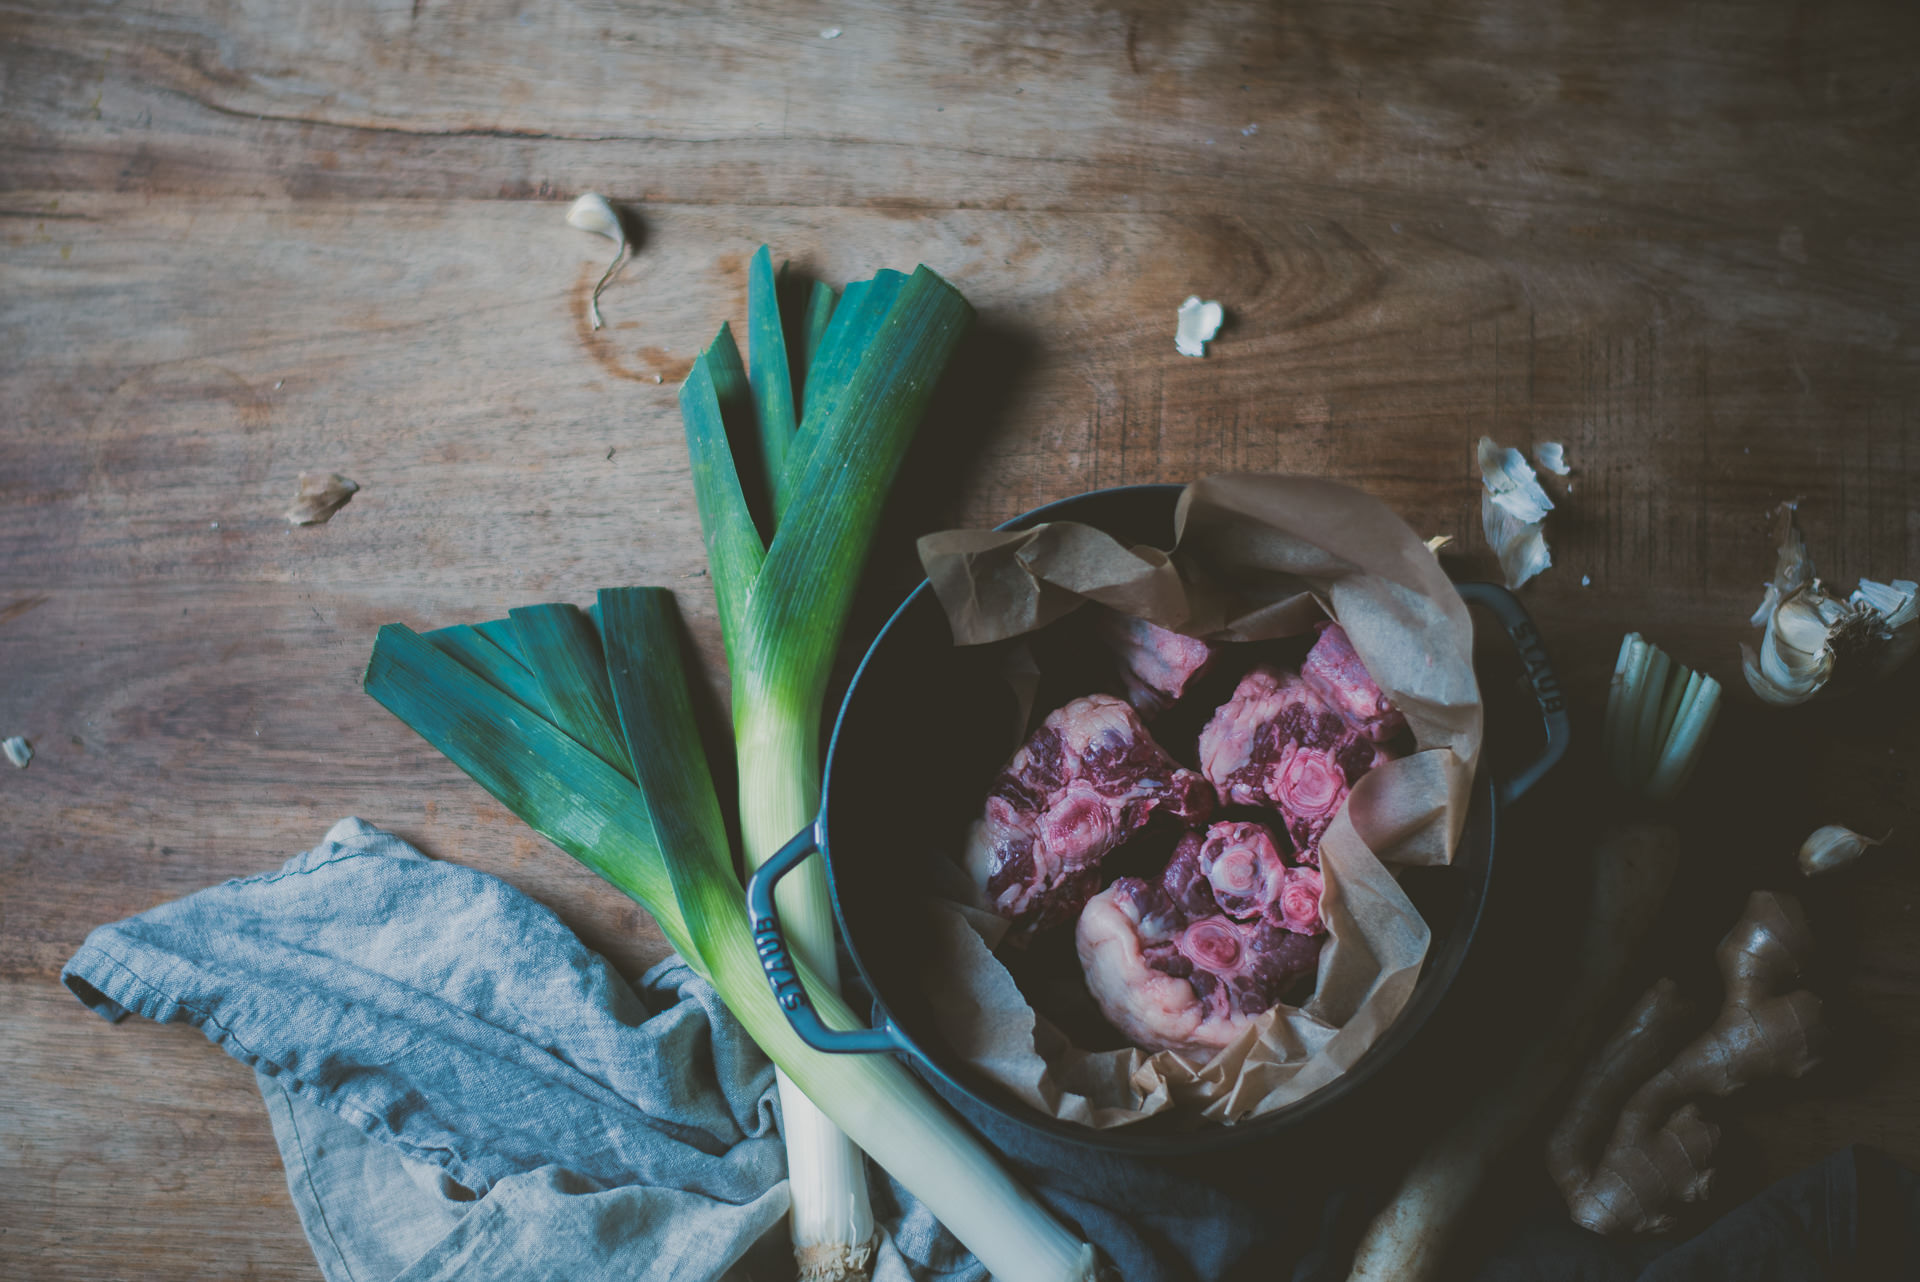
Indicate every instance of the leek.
{"type": "Point", "coordinates": [822, 470]}
{"type": "Point", "coordinates": [621, 818]}
{"type": "Point", "coordinates": [579, 722]}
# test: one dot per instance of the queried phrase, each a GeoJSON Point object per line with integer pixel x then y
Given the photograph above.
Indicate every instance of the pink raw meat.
{"type": "Point", "coordinates": [1281, 742]}
{"type": "Point", "coordinates": [1156, 664]}
{"type": "Point", "coordinates": [1086, 781]}
{"type": "Point", "coordinates": [1334, 670]}
{"type": "Point", "coordinates": [1237, 864]}
{"type": "Point", "coordinates": [1176, 967]}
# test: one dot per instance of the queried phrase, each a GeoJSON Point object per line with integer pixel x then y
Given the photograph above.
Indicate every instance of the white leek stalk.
{"type": "Point", "coordinates": [813, 465]}
{"type": "Point", "coordinates": [1659, 714]}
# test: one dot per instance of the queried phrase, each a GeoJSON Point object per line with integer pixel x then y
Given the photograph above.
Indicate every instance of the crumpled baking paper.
{"type": "Point", "coordinates": [1255, 557]}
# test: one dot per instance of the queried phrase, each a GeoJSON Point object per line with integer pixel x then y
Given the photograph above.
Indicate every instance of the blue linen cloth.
{"type": "Point", "coordinates": [460, 1088]}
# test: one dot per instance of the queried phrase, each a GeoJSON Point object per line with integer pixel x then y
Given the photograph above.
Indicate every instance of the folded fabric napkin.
{"type": "Point", "coordinates": [461, 1089]}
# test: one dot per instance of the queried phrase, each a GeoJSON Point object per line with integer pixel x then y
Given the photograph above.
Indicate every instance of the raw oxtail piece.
{"type": "Point", "coordinates": [1279, 742]}
{"type": "Point", "coordinates": [1089, 778]}
{"type": "Point", "coordinates": [1156, 665]}
{"type": "Point", "coordinates": [1237, 863]}
{"type": "Point", "coordinates": [1236, 869]}
{"type": "Point", "coordinates": [1172, 980]}
{"type": "Point", "coordinates": [1335, 672]}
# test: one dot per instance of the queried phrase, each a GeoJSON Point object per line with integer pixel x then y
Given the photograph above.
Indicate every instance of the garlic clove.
{"type": "Point", "coordinates": [1792, 671]}
{"type": "Point", "coordinates": [1802, 622]}
{"type": "Point", "coordinates": [1831, 847]}
{"type": "Point", "coordinates": [1764, 686]}
{"type": "Point", "coordinates": [593, 212]}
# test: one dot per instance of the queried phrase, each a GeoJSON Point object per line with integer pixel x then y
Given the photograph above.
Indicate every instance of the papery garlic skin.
{"type": "Point", "coordinates": [1512, 482]}
{"type": "Point", "coordinates": [319, 496]}
{"type": "Point", "coordinates": [1898, 605]}
{"type": "Point", "coordinates": [1831, 847]}
{"type": "Point", "coordinates": [1520, 545]}
{"type": "Point", "coordinates": [1198, 323]}
{"type": "Point", "coordinates": [1552, 455]}
{"type": "Point", "coordinates": [1512, 507]}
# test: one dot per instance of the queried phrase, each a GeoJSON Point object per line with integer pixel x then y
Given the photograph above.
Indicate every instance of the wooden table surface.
{"type": "Point", "coordinates": [243, 238]}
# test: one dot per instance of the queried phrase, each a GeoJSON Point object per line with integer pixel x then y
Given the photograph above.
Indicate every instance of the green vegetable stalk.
{"type": "Point", "coordinates": [581, 724]}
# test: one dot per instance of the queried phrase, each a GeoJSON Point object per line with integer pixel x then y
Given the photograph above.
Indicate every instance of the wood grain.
{"type": "Point", "coordinates": [245, 238]}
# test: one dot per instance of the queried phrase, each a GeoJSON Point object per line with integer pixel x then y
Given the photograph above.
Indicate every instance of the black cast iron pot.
{"type": "Point", "coordinates": [919, 737]}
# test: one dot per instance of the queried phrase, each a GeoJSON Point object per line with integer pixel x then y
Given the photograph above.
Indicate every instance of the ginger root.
{"type": "Point", "coordinates": [1408, 1240]}
{"type": "Point", "coordinates": [1660, 1148]}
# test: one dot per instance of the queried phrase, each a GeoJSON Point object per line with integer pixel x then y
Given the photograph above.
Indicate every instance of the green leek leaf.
{"type": "Point", "coordinates": [564, 651]}
{"type": "Point", "coordinates": [843, 347]}
{"type": "Point", "coordinates": [771, 379]}
{"type": "Point", "coordinates": [735, 549]}
{"type": "Point", "coordinates": [563, 791]}
{"type": "Point", "coordinates": [502, 634]}
{"type": "Point", "coordinates": [646, 666]}
{"type": "Point", "coordinates": [810, 333]}
{"type": "Point", "coordinates": [800, 601]}
{"type": "Point", "coordinates": [470, 646]}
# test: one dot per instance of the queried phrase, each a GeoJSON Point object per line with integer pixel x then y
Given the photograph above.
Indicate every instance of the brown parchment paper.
{"type": "Point", "coordinates": [1255, 556]}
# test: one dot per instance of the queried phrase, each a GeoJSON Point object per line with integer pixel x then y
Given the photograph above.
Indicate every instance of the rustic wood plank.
{"type": "Point", "coordinates": [133, 1151]}
{"type": "Point", "coordinates": [239, 240]}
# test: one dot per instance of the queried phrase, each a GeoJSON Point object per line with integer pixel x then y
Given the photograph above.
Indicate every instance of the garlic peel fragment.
{"type": "Point", "coordinates": [320, 495]}
{"type": "Point", "coordinates": [1831, 847]}
{"type": "Point", "coordinates": [1199, 322]}
{"type": "Point", "coordinates": [1520, 545]}
{"type": "Point", "coordinates": [1552, 455]}
{"type": "Point", "coordinates": [1512, 482]}
{"type": "Point", "coordinates": [592, 212]}
{"type": "Point", "coordinates": [1512, 507]}
{"type": "Point", "coordinates": [18, 751]}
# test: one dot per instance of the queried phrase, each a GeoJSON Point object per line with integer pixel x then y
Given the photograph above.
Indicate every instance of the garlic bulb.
{"type": "Point", "coordinates": [1813, 637]}
{"type": "Point", "coordinates": [1832, 847]}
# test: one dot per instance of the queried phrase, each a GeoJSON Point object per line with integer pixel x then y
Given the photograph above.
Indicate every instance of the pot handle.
{"type": "Point", "coordinates": [1540, 675]}
{"type": "Point", "coordinates": [783, 976]}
